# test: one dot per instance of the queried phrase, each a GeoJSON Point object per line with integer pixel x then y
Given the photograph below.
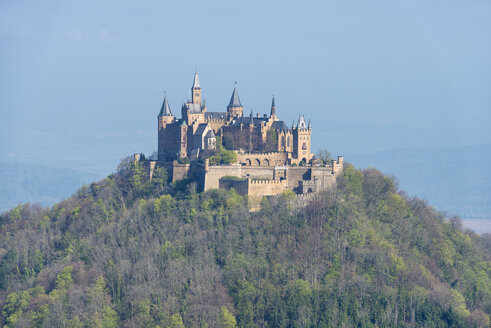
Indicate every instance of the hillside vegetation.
{"type": "Point", "coordinates": [131, 253]}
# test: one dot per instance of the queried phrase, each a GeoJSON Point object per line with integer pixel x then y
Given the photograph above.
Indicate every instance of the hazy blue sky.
{"type": "Point", "coordinates": [82, 82]}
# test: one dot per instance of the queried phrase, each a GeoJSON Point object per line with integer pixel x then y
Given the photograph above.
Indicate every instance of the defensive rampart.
{"type": "Point", "coordinates": [262, 159]}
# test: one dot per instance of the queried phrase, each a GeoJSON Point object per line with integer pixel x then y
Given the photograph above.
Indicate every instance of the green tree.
{"type": "Point", "coordinates": [175, 321]}
{"type": "Point", "coordinates": [227, 319]}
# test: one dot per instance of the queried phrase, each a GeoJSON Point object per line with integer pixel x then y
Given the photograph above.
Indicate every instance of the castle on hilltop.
{"type": "Point", "coordinates": [264, 156]}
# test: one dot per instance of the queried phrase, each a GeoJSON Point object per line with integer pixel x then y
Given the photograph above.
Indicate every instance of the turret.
{"type": "Point", "coordinates": [301, 141]}
{"type": "Point", "coordinates": [165, 116]}
{"type": "Point", "coordinates": [234, 108]}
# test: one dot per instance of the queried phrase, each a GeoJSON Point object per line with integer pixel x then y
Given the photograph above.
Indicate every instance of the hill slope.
{"type": "Point", "coordinates": [139, 254]}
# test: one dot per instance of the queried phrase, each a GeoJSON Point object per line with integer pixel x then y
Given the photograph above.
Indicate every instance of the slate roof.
{"type": "Point", "coordinates": [216, 115]}
{"type": "Point", "coordinates": [210, 134]}
{"type": "Point", "coordinates": [247, 120]}
{"type": "Point", "coordinates": [301, 123]}
{"type": "Point", "coordinates": [196, 81]}
{"type": "Point", "coordinates": [165, 110]}
{"type": "Point", "coordinates": [279, 125]}
{"type": "Point", "coordinates": [201, 129]}
{"type": "Point", "coordinates": [194, 108]}
{"type": "Point", "coordinates": [234, 100]}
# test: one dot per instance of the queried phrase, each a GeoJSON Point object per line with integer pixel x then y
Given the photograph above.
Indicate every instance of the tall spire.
{"type": "Point", "coordinates": [196, 80]}
{"type": "Point", "coordinates": [165, 110]}
{"type": "Point", "coordinates": [234, 100]}
{"type": "Point", "coordinates": [273, 108]}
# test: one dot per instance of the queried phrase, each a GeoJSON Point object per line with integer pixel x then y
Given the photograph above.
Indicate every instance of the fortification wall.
{"type": "Point", "coordinates": [325, 175]}
{"type": "Point", "coordinates": [241, 186]}
{"type": "Point", "coordinates": [295, 174]}
{"type": "Point", "coordinates": [262, 159]}
{"type": "Point", "coordinates": [214, 173]}
{"type": "Point", "coordinates": [266, 187]}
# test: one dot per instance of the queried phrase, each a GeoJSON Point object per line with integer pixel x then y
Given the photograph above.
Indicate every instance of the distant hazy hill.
{"type": "Point", "coordinates": [22, 183]}
{"type": "Point", "coordinates": [454, 179]}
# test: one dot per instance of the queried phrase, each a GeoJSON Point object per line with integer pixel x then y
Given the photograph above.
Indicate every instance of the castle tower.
{"type": "Point", "coordinates": [196, 90]}
{"type": "Point", "coordinates": [165, 116]}
{"type": "Point", "coordinates": [301, 141]}
{"type": "Point", "coordinates": [234, 108]}
{"type": "Point", "coordinates": [165, 136]}
{"type": "Point", "coordinates": [193, 110]}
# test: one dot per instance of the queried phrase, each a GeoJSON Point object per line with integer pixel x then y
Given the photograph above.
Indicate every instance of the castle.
{"type": "Point", "coordinates": [196, 131]}
{"type": "Point", "coordinates": [269, 157]}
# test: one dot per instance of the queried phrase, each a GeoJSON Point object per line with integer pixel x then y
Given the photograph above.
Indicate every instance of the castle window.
{"type": "Point", "coordinates": [304, 146]}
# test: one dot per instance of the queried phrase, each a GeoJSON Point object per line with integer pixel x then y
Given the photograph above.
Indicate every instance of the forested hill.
{"type": "Point", "coordinates": [125, 252]}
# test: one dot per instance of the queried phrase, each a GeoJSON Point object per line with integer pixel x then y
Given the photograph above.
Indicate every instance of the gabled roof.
{"type": "Point", "coordinates": [165, 110]}
{"type": "Point", "coordinates": [196, 81]}
{"type": "Point", "coordinates": [234, 100]}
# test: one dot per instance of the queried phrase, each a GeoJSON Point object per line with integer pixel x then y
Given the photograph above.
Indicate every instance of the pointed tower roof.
{"type": "Point", "coordinates": [165, 110]}
{"type": "Point", "coordinates": [301, 123]}
{"type": "Point", "coordinates": [196, 81]}
{"type": "Point", "coordinates": [273, 108]}
{"type": "Point", "coordinates": [234, 100]}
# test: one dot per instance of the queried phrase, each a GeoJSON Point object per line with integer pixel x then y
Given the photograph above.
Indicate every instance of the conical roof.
{"type": "Point", "coordinates": [273, 108]}
{"type": "Point", "coordinates": [165, 110]}
{"type": "Point", "coordinates": [234, 100]}
{"type": "Point", "coordinates": [196, 81]}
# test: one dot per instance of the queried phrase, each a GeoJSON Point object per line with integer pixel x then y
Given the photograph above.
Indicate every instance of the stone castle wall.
{"type": "Point", "coordinates": [266, 187]}
{"type": "Point", "coordinates": [254, 187]}
{"type": "Point", "coordinates": [262, 180]}
{"type": "Point", "coordinates": [241, 186]}
{"type": "Point", "coordinates": [262, 159]}
{"type": "Point", "coordinates": [213, 174]}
